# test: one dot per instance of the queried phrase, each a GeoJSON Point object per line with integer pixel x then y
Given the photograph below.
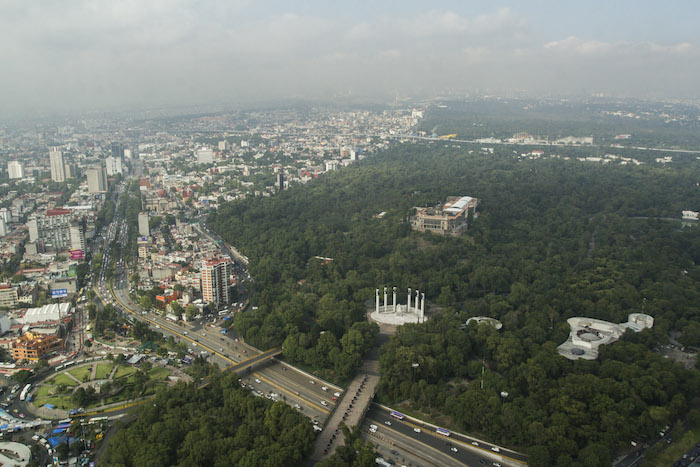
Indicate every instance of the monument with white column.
{"type": "Point", "coordinates": [395, 313]}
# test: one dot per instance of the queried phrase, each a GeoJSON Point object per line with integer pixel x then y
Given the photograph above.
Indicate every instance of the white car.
{"type": "Point", "coordinates": [454, 449]}
{"type": "Point", "coordinates": [417, 430]}
{"type": "Point", "coordinates": [257, 380]}
{"type": "Point", "coordinates": [336, 394]}
{"type": "Point", "coordinates": [495, 449]}
{"type": "Point", "coordinates": [387, 423]}
{"type": "Point", "coordinates": [324, 403]}
{"type": "Point", "coordinates": [324, 388]}
{"type": "Point", "coordinates": [374, 426]}
{"type": "Point", "coordinates": [475, 443]}
{"type": "Point", "coordinates": [297, 406]}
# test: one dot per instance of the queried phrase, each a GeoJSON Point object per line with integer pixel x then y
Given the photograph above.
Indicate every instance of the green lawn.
{"type": "Point", "coordinates": [82, 373]}
{"type": "Point", "coordinates": [103, 370]}
{"type": "Point", "coordinates": [62, 402]}
{"type": "Point", "coordinates": [158, 373]}
{"type": "Point", "coordinates": [43, 391]}
{"type": "Point", "coordinates": [62, 379]}
{"type": "Point", "coordinates": [124, 371]}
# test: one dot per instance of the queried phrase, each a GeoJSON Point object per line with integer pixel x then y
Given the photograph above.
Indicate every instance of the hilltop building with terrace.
{"type": "Point", "coordinates": [449, 219]}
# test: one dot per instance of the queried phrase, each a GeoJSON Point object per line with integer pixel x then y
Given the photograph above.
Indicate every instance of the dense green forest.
{"type": "Point", "coordinates": [220, 425]}
{"type": "Point", "coordinates": [553, 239]}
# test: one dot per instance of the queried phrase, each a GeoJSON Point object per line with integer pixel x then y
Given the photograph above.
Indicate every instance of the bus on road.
{"type": "Point", "coordinates": [25, 391]}
{"type": "Point", "coordinates": [396, 414]}
{"type": "Point", "coordinates": [442, 431]}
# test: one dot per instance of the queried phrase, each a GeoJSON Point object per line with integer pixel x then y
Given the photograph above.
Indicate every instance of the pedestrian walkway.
{"type": "Point", "coordinates": [351, 409]}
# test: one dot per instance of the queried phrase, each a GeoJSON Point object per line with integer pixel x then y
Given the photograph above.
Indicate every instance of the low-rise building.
{"type": "Point", "coordinates": [33, 346]}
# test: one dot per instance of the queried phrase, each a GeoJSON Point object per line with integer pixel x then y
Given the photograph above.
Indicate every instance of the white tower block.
{"type": "Point", "coordinates": [408, 306]}
{"type": "Point", "coordinates": [377, 301]}
{"type": "Point", "coordinates": [385, 307]}
{"type": "Point", "coordinates": [417, 310]}
{"type": "Point", "coordinates": [422, 308]}
{"type": "Point", "coordinates": [394, 301]}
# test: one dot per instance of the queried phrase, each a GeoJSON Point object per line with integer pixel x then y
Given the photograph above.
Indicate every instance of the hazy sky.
{"type": "Point", "coordinates": [92, 54]}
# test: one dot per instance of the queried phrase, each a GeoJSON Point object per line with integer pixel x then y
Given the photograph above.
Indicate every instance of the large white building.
{"type": "Point", "coordinates": [53, 312]}
{"type": "Point", "coordinates": [96, 180]}
{"type": "Point", "coordinates": [114, 165]}
{"type": "Point", "coordinates": [58, 166]}
{"type": "Point", "coordinates": [216, 274]}
{"type": "Point", "coordinates": [15, 170]}
{"type": "Point", "coordinates": [205, 156]}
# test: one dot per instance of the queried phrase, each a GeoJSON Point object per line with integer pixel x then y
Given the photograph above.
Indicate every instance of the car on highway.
{"type": "Point", "coordinates": [495, 449]}
{"type": "Point", "coordinates": [297, 406]}
{"type": "Point", "coordinates": [324, 388]}
{"type": "Point", "coordinates": [417, 430]}
{"type": "Point", "coordinates": [387, 423]}
{"type": "Point", "coordinates": [474, 443]}
{"type": "Point", "coordinates": [336, 394]}
{"type": "Point", "coordinates": [324, 403]}
{"type": "Point", "coordinates": [312, 381]}
{"type": "Point", "coordinates": [258, 381]}
{"type": "Point", "coordinates": [454, 449]}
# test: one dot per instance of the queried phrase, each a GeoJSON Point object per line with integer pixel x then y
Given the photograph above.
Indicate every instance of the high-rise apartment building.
{"type": "Point", "coordinates": [144, 229]}
{"type": "Point", "coordinates": [216, 273]}
{"type": "Point", "coordinates": [114, 165]}
{"type": "Point", "coordinates": [96, 180]}
{"type": "Point", "coordinates": [280, 182]}
{"type": "Point", "coordinates": [117, 150]}
{"type": "Point", "coordinates": [15, 170]}
{"type": "Point", "coordinates": [56, 230]}
{"type": "Point", "coordinates": [58, 166]}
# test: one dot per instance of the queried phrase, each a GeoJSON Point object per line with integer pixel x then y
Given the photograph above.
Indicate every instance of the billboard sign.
{"type": "Point", "coordinates": [76, 254]}
{"type": "Point", "coordinates": [59, 293]}
{"type": "Point", "coordinates": [142, 239]}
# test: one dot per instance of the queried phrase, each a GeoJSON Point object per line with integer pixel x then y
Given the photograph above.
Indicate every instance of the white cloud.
{"type": "Point", "coordinates": [593, 48]}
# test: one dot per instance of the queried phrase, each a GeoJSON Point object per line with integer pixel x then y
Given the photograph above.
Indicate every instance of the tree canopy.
{"type": "Point", "coordinates": [220, 425]}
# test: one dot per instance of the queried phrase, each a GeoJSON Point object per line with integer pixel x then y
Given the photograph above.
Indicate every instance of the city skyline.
{"type": "Point", "coordinates": [130, 55]}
